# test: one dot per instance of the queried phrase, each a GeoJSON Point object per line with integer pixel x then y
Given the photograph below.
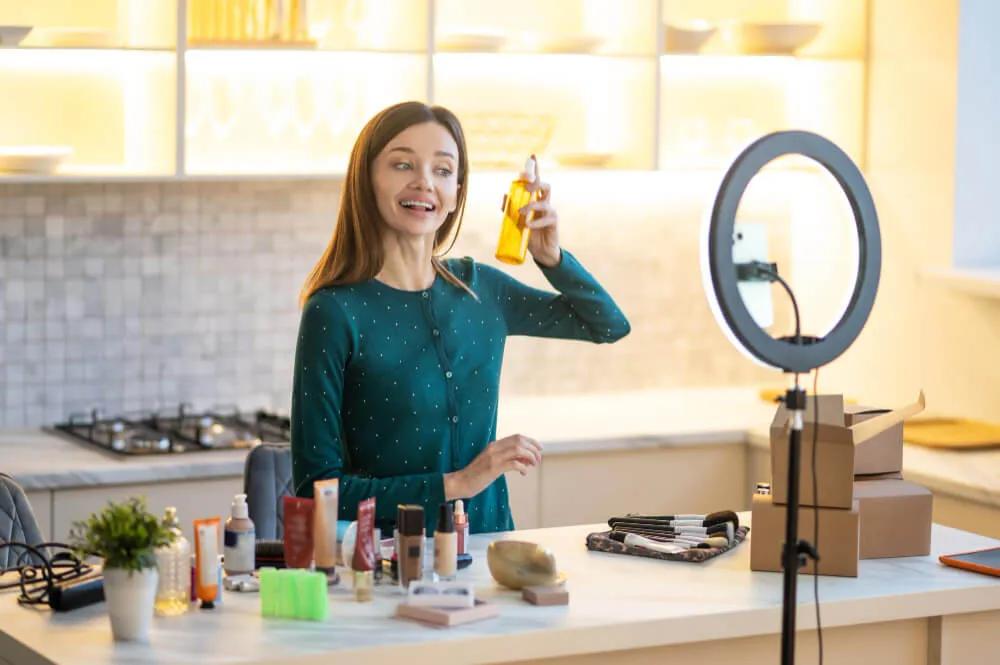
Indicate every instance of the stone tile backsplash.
{"type": "Point", "coordinates": [132, 296]}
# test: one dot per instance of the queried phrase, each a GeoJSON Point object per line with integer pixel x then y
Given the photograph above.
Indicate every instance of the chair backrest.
{"type": "Point", "coordinates": [267, 476]}
{"type": "Point", "coordinates": [17, 524]}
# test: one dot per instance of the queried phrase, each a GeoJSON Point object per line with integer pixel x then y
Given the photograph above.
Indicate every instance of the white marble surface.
{"type": "Point", "coordinates": [616, 602]}
{"type": "Point", "coordinates": [41, 461]}
{"type": "Point", "coordinates": [969, 475]}
{"type": "Point", "coordinates": [564, 425]}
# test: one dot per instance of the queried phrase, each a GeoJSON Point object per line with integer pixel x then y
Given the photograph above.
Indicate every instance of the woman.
{"type": "Point", "coordinates": [398, 359]}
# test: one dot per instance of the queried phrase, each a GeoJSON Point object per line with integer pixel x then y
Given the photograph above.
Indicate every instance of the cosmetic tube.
{"type": "Point", "coordinates": [326, 495]}
{"type": "Point", "coordinates": [298, 531]}
{"type": "Point", "coordinates": [206, 545]}
{"type": "Point", "coordinates": [363, 561]}
{"type": "Point", "coordinates": [410, 522]}
{"type": "Point", "coordinates": [462, 528]}
{"type": "Point", "coordinates": [445, 544]}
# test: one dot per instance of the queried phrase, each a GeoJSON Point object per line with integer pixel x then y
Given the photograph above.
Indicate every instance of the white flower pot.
{"type": "Point", "coordinates": [130, 596]}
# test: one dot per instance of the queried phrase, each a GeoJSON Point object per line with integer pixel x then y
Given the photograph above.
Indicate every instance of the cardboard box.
{"type": "Point", "coordinates": [836, 449]}
{"type": "Point", "coordinates": [896, 517]}
{"type": "Point", "coordinates": [883, 453]}
{"type": "Point", "coordinates": [839, 537]}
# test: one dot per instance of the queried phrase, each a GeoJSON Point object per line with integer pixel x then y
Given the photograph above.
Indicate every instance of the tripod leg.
{"type": "Point", "coordinates": [795, 402]}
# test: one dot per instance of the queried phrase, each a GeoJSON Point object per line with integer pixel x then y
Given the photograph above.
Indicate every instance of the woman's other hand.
{"type": "Point", "coordinates": [511, 453]}
{"type": "Point", "coordinates": [544, 241]}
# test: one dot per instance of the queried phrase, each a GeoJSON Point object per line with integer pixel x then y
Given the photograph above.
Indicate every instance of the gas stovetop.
{"type": "Point", "coordinates": [177, 431]}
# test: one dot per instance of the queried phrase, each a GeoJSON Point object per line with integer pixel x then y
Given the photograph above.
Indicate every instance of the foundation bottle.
{"type": "Point", "coordinates": [411, 543]}
{"type": "Point", "coordinates": [445, 544]}
{"type": "Point", "coordinates": [514, 235]}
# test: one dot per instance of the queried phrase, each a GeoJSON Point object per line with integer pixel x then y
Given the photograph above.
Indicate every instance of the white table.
{"type": "Point", "coordinates": [901, 611]}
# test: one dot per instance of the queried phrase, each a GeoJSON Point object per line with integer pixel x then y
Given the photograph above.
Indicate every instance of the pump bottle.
{"type": "Point", "coordinates": [239, 539]}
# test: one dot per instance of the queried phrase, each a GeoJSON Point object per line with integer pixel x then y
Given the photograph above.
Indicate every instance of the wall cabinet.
{"type": "Point", "coordinates": [198, 89]}
{"type": "Point", "coordinates": [588, 488]}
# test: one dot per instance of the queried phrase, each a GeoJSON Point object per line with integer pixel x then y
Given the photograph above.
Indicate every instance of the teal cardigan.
{"type": "Point", "coordinates": [392, 389]}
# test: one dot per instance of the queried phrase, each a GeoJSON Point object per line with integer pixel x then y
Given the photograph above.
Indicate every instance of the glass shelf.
{"type": "Point", "coordinates": [806, 28]}
{"type": "Point", "coordinates": [287, 111]}
{"type": "Point", "coordinates": [114, 109]}
{"type": "Point", "coordinates": [109, 24]}
{"type": "Point", "coordinates": [555, 26]}
{"type": "Point", "coordinates": [587, 84]}
{"type": "Point", "coordinates": [579, 111]}
{"type": "Point", "coordinates": [702, 127]}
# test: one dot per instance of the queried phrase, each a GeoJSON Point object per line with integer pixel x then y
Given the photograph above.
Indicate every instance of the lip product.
{"type": "Point", "coordinates": [461, 528]}
{"type": "Point", "coordinates": [445, 544]}
{"type": "Point", "coordinates": [410, 522]}
{"type": "Point", "coordinates": [327, 496]}
{"type": "Point", "coordinates": [363, 561]}
{"type": "Point", "coordinates": [206, 543]}
{"type": "Point", "coordinates": [298, 531]}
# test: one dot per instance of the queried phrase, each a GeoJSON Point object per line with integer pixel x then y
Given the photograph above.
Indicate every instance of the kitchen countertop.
{"type": "Point", "coordinates": [43, 461]}
{"type": "Point", "coordinates": [564, 425]}
{"type": "Point", "coordinates": [969, 475]}
{"type": "Point", "coordinates": [616, 603]}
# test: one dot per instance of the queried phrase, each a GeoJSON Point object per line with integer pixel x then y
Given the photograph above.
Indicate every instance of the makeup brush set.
{"type": "Point", "coordinates": [677, 537]}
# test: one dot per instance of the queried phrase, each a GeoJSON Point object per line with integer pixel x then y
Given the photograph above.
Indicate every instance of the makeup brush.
{"type": "Point", "coordinates": [699, 520]}
{"type": "Point", "coordinates": [666, 544]}
{"type": "Point", "coordinates": [725, 528]}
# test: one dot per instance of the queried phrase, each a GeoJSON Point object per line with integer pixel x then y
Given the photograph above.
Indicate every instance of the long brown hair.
{"type": "Point", "coordinates": [355, 250]}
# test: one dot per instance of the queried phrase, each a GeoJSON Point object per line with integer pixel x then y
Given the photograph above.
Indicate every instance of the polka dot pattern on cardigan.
{"type": "Point", "coordinates": [393, 389]}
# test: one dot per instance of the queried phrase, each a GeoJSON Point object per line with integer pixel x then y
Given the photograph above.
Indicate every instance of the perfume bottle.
{"type": "Point", "coordinates": [514, 235]}
{"type": "Point", "coordinates": [173, 592]}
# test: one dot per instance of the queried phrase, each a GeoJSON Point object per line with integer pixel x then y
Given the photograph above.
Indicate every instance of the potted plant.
{"type": "Point", "coordinates": [126, 535]}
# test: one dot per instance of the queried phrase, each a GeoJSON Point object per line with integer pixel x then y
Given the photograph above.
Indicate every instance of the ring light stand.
{"type": "Point", "coordinates": [793, 354]}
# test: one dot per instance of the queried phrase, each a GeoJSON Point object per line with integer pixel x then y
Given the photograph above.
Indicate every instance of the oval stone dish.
{"type": "Point", "coordinates": [516, 564]}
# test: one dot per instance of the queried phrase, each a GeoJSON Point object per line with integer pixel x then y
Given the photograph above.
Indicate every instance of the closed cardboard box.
{"type": "Point", "coordinates": [838, 445]}
{"type": "Point", "coordinates": [839, 533]}
{"type": "Point", "coordinates": [896, 517]}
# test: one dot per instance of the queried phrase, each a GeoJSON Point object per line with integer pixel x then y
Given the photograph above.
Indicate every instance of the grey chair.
{"type": "Point", "coordinates": [267, 476]}
{"type": "Point", "coordinates": [17, 524]}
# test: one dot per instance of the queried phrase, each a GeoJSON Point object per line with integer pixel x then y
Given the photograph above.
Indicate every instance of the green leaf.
{"type": "Point", "coordinates": [126, 535]}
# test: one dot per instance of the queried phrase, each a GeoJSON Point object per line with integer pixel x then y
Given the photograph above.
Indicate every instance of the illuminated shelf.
{"type": "Point", "coordinates": [701, 127]}
{"type": "Point", "coordinates": [87, 49]}
{"type": "Point", "coordinates": [160, 108]}
{"type": "Point", "coordinates": [248, 48]}
{"type": "Point", "coordinates": [279, 111]}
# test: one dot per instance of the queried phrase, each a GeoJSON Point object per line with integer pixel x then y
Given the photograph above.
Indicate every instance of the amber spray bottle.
{"type": "Point", "coordinates": [514, 234]}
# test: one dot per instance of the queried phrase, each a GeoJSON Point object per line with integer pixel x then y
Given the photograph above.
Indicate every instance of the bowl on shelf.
{"type": "Point", "coordinates": [505, 138]}
{"type": "Point", "coordinates": [687, 37]}
{"type": "Point", "coordinates": [35, 159]}
{"type": "Point", "coordinates": [73, 37]}
{"type": "Point", "coordinates": [568, 43]}
{"type": "Point", "coordinates": [12, 35]}
{"type": "Point", "coordinates": [771, 38]}
{"type": "Point", "coordinates": [486, 41]}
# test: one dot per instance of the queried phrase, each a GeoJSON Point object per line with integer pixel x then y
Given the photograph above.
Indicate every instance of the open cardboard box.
{"type": "Point", "coordinates": [843, 439]}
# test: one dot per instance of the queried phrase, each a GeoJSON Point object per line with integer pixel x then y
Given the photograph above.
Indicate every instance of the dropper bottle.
{"type": "Point", "coordinates": [512, 247]}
